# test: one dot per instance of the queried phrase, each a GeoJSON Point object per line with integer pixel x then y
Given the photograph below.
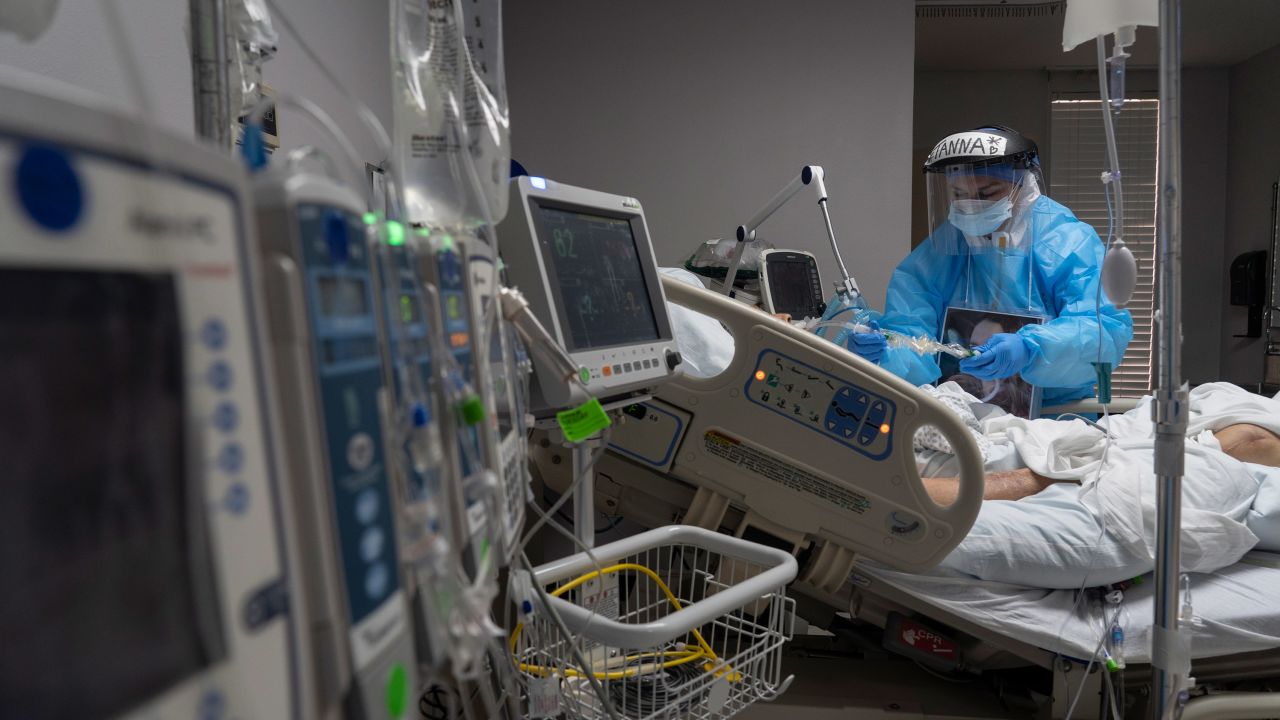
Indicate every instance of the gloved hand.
{"type": "Point", "coordinates": [869, 345]}
{"type": "Point", "coordinates": [1005, 354]}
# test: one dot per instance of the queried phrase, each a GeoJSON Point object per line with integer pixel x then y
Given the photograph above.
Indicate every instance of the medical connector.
{"type": "Point", "coordinates": [922, 345]}
{"type": "Point", "coordinates": [918, 344]}
{"type": "Point", "coordinates": [424, 446]}
{"type": "Point", "coordinates": [1124, 37]}
{"type": "Point", "coordinates": [472, 408]}
{"type": "Point", "coordinates": [1186, 612]}
{"type": "Point", "coordinates": [1102, 371]}
{"type": "Point", "coordinates": [1115, 650]}
{"type": "Point", "coordinates": [521, 592]}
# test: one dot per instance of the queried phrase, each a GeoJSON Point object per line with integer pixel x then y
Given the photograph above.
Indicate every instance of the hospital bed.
{"type": "Point", "coordinates": [735, 452]}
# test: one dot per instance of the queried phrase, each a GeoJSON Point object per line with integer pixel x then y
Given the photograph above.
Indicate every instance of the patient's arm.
{"type": "Point", "coordinates": [1006, 485]}
{"type": "Point", "coordinates": [1246, 443]}
{"type": "Point", "coordinates": [1250, 443]}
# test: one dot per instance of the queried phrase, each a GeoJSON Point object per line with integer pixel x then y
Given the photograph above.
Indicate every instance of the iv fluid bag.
{"type": "Point", "coordinates": [449, 98]}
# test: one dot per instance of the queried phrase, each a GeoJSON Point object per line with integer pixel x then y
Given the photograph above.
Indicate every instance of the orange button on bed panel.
{"type": "Point", "coordinates": [885, 428]}
{"type": "Point", "coordinates": [606, 371]}
{"type": "Point", "coordinates": [759, 375]}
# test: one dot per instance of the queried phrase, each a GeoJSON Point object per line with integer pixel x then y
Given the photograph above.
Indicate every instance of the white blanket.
{"type": "Point", "coordinates": [1104, 530]}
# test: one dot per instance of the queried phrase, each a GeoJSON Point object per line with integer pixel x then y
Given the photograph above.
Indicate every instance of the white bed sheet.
{"type": "Point", "coordinates": [1235, 608]}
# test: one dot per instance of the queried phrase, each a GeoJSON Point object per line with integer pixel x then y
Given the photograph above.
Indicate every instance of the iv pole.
{"type": "Point", "coordinates": [1170, 650]}
{"type": "Point", "coordinates": [210, 77]}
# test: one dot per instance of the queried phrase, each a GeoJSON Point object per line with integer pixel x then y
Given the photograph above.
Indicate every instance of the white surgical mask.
{"type": "Point", "coordinates": [980, 217]}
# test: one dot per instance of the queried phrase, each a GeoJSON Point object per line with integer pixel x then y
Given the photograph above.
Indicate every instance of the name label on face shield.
{"type": "Point", "coordinates": [967, 144]}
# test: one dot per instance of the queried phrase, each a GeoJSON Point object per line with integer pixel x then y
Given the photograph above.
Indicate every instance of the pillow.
{"type": "Point", "coordinates": [706, 348]}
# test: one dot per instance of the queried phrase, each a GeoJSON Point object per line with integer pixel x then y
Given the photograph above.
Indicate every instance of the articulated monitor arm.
{"type": "Point", "coordinates": [809, 175]}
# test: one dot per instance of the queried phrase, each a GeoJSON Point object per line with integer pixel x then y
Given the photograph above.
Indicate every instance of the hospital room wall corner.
{"type": "Point", "coordinates": [1254, 162]}
{"type": "Point", "coordinates": [705, 151]}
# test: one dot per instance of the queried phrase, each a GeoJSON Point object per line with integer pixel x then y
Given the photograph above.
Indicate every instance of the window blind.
{"type": "Point", "coordinates": [1079, 156]}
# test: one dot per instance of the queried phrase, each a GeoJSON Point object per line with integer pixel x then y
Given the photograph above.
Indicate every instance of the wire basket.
{"type": "Point", "coordinates": [677, 622]}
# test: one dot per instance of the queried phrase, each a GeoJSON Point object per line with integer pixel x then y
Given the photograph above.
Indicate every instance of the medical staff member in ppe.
{"type": "Point", "coordinates": [999, 244]}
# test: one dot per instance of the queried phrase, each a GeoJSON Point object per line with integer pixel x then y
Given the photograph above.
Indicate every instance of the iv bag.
{"type": "Point", "coordinates": [450, 98]}
{"type": "Point", "coordinates": [251, 42]}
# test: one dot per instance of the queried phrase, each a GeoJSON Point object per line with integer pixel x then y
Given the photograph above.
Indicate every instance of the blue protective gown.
{"type": "Point", "coordinates": [1063, 263]}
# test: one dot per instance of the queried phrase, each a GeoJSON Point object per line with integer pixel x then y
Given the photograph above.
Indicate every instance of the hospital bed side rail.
{"type": "Point", "coordinates": [870, 498]}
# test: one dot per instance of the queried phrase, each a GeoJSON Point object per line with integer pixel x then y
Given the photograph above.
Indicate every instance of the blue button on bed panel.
{"type": "Point", "coordinates": [877, 413]}
{"type": "Point", "coordinates": [48, 187]}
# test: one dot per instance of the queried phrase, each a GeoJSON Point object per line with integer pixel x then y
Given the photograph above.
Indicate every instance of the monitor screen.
{"type": "Point", "coordinates": [98, 550]}
{"type": "Point", "coordinates": [599, 277]}
{"type": "Point", "coordinates": [791, 287]}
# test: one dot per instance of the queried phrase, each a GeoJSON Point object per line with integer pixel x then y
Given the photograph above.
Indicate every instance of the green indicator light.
{"type": "Point", "coordinates": [446, 242]}
{"type": "Point", "coordinates": [395, 233]}
{"type": "Point", "coordinates": [422, 232]}
{"type": "Point", "coordinates": [585, 375]}
{"type": "Point", "coordinates": [369, 218]}
{"type": "Point", "coordinates": [406, 309]}
{"type": "Point", "coordinates": [397, 691]}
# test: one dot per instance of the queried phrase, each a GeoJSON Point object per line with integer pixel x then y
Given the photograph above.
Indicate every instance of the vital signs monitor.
{"type": "Point", "coordinates": [142, 540]}
{"type": "Point", "coordinates": [790, 284]}
{"type": "Point", "coordinates": [584, 262]}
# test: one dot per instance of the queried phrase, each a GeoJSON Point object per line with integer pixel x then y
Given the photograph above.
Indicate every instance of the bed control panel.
{"type": "Point", "coordinates": [857, 418]}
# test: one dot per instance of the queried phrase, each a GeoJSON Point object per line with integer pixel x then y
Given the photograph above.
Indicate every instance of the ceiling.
{"type": "Point", "coordinates": [1215, 33]}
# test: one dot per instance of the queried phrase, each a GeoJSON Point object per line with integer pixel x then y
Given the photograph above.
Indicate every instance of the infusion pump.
{"type": "Point", "coordinates": [142, 537]}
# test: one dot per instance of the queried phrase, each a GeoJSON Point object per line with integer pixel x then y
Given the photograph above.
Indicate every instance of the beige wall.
{"type": "Point", "coordinates": [703, 110]}
{"type": "Point", "coordinates": [1253, 149]}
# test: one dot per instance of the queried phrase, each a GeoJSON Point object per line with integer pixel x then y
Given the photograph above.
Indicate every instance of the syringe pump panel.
{"type": "Point", "coordinates": [584, 262]}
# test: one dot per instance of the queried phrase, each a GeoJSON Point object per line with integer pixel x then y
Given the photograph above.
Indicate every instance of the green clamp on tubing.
{"type": "Point", "coordinates": [1103, 371]}
{"type": "Point", "coordinates": [582, 422]}
{"type": "Point", "coordinates": [472, 410]}
{"type": "Point", "coordinates": [397, 691]}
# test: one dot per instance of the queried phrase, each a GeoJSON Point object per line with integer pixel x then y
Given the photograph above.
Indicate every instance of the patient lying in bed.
{"type": "Point", "coordinates": [1064, 506]}
{"type": "Point", "coordinates": [1244, 442]}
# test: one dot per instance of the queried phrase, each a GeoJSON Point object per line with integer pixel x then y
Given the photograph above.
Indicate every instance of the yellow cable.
{"type": "Point", "coordinates": [686, 656]}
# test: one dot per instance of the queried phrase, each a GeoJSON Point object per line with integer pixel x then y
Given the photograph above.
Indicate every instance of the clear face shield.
{"type": "Point", "coordinates": [988, 204]}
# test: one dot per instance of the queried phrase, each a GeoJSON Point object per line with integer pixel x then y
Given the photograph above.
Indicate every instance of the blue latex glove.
{"type": "Point", "coordinates": [1005, 354]}
{"type": "Point", "coordinates": [869, 345]}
